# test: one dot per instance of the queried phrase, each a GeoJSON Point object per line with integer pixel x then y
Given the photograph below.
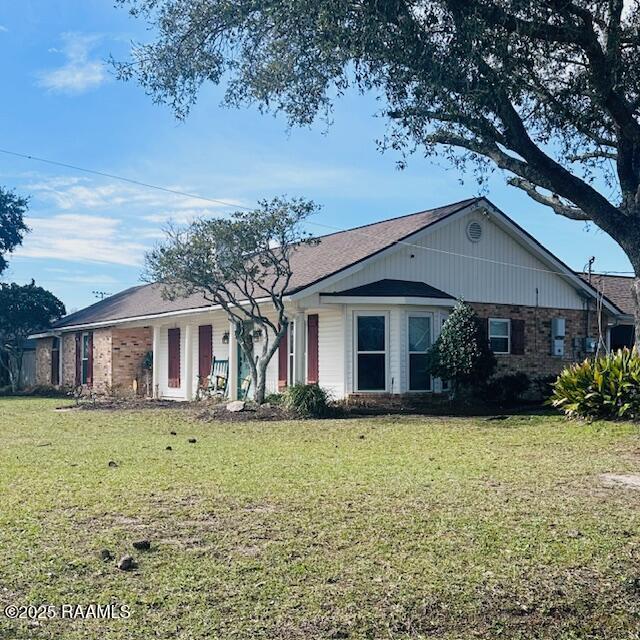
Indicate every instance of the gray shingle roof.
{"type": "Point", "coordinates": [310, 264]}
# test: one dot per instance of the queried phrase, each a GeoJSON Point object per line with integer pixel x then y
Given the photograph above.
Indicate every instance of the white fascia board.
{"type": "Point", "coordinates": [396, 246]}
{"type": "Point", "coordinates": [543, 254]}
{"type": "Point", "coordinates": [45, 334]}
{"type": "Point", "coordinates": [373, 300]}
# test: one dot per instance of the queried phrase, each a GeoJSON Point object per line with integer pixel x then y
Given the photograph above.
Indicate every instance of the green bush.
{"type": "Point", "coordinates": [607, 387]}
{"type": "Point", "coordinates": [461, 353]}
{"type": "Point", "coordinates": [307, 400]}
{"type": "Point", "coordinates": [507, 389]}
{"type": "Point", "coordinates": [275, 399]}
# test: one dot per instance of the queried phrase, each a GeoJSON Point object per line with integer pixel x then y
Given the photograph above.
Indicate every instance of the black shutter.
{"type": "Point", "coordinates": [483, 324]}
{"type": "Point", "coordinates": [517, 337]}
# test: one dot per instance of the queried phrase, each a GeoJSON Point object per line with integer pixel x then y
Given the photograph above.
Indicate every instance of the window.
{"type": "Point", "coordinates": [371, 354]}
{"type": "Point", "coordinates": [500, 335]}
{"type": "Point", "coordinates": [85, 358]}
{"type": "Point", "coordinates": [291, 341]}
{"type": "Point", "coordinates": [419, 343]}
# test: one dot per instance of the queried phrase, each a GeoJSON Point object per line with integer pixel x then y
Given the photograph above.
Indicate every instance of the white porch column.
{"type": "Point", "coordinates": [188, 362]}
{"type": "Point", "coordinates": [232, 386]}
{"type": "Point", "coordinates": [299, 345]}
{"type": "Point", "coordinates": [155, 388]}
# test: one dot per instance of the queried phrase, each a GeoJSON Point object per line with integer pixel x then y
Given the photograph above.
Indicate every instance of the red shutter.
{"type": "Point", "coordinates": [283, 360]}
{"type": "Point", "coordinates": [173, 336]}
{"type": "Point", "coordinates": [90, 361]}
{"type": "Point", "coordinates": [205, 350]}
{"type": "Point", "coordinates": [312, 349]}
{"type": "Point", "coordinates": [78, 359]}
{"type": "Point", "coordinates": [517, 337]}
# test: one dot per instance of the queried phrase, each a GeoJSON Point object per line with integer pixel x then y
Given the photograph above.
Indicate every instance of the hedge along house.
{"type": "Point", "coordinates": [364, 307]}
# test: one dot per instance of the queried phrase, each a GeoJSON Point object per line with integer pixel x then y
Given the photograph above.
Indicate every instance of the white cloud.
{"type": "Point", "coordinates": [181, 216]}
{"type": "Point", "coordinates": [79, 237]}
{"type": "Point", "coordinates": [80, 72]}
{"type": "Point", "coordinates": [80, 194]}
{"type": "Point", "coordinates": [3, 29]}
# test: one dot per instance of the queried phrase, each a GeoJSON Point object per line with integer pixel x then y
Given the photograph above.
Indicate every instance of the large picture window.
{"type": "Point", "coordinates": [500, 335]}
{"type": "Point", "coordinates": [420, 339]}
{"type": "Point", "coordinates": [371, 352]}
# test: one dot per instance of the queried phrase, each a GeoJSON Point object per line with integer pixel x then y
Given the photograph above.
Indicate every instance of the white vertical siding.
{"type": "Point", "coordinates": [331, 351]}
{"type": "Point", "coordinates": [475, 271]}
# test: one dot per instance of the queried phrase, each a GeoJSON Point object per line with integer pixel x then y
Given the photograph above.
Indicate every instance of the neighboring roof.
{"type": "Point", "coordinates": [616, 288]}
{"type": "Point", "coordinates": [334, 253]}
{"type": "Point", "coordinates": [393, 288]}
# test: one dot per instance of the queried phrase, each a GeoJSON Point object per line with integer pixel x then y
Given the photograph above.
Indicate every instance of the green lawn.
{"type": "Point", "coordinates": [398, 527]}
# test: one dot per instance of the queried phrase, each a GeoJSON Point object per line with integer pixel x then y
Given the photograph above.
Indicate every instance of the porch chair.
{"type": "Point", "coordinates": [217, 380]}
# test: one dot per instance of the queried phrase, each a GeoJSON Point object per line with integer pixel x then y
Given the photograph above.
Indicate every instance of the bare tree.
{"type": "Point", "coordinates": [242, 264]}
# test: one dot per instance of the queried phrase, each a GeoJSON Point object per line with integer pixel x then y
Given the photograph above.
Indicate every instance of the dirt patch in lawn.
{"type": "Point", "coordinates": [619, 481]}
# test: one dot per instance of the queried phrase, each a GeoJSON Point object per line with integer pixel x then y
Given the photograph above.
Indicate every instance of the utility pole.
{"type": "Point", "coordinates": [592, 259]}
{"type": "Point", "coordinates": [101, 294]}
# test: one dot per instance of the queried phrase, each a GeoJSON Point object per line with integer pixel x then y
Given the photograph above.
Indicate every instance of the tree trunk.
{"type": "Point", "coordinates": [15, 369]}
{"type": "Point", "coordinates": [261, 382]}
{"type": "Point", "coordinates": [636, 298]}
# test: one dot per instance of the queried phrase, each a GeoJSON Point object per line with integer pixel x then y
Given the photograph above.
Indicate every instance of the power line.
{"type": "Point", "coordinates": [317, 224]}
{"type": "Point", "coordinates": [121, 178]}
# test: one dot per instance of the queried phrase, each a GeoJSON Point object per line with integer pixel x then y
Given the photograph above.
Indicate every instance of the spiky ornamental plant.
{"type": "Point", "coordinates": [461, 353]}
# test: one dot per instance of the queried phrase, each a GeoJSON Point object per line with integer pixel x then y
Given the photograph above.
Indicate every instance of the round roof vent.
{"type": "Point", "coordinates": [474, 231]}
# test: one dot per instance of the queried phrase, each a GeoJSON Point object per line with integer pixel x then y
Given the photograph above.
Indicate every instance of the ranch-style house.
{"type": "Point", "coordinates": [364, 307]}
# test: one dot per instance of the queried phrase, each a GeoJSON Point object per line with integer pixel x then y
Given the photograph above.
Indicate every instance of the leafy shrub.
{"type": "Point", "coordinates": [307, 400]}
{"type": "Point", "coordinates": [275, 399]}
{"type": "Point", "coordinates": [461, 353]}
{"type": "Point", "coordinates": [542, 387]}
{"type": "Point", "coordinates": [507, 389]}
{"type": "Point", "coordinates": [606, 387]}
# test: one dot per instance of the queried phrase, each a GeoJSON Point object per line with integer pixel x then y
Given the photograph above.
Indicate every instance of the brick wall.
{"type": "Point", "coordinates": [68, 359]}
{"type": "Point", "coordinates": [43, 360]}
{"type": "Point", "coordinates": [537, 359]}
{"type": "Point", "coordinates": [102, 360]}
{"type": "Point", "coordinates": [129, 347]}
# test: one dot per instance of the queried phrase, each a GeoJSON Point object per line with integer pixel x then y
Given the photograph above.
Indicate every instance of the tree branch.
{"type": "Point", "coordinates": [553, 201]}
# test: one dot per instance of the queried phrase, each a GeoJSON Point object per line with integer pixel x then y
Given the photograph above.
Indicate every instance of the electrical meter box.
{"type": "Point", "coordinates": [590, 345]}
{"type": "Point", "coordinates": [558, 332]}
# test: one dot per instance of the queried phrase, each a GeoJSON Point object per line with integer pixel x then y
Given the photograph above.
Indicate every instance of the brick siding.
{"type": "Point", "coordinates": [44, 347]}
{"type": "Point", "coordinates": [68, 359]}
{"type": "Point", "coordinates": [102, 361]}
{"type": "Point", "coordinates": [129, 347]}
{"type": "Point", "coordinates": [537, 359]}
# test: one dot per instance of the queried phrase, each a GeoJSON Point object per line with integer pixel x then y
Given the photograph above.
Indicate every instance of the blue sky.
{"type": "Point", "coordinates": [90, 233]}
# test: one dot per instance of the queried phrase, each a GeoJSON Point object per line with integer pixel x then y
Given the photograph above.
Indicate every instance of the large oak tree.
{"type": "Point", "coordinates": [547, 90]}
